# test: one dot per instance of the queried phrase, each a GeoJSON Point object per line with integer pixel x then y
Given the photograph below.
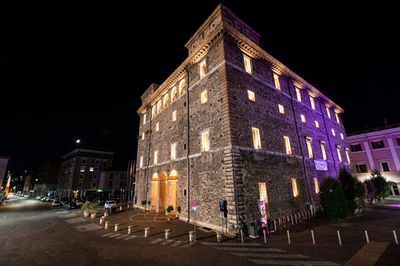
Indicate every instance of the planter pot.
{"type": "Point", "coordinates": [253, 231]}
{"type": "Point", "coordinates": [93, 215]}
{"type": "Point", "coordinates": [86, 213]}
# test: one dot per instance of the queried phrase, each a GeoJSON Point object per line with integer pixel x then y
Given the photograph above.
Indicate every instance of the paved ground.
{"type": "Point", "coordinates": [31, 232]}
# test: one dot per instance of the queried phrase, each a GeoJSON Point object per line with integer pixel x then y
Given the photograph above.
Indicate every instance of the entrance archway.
{"type": "Point", "coordinates": [154, 192]}
{"type": "Point", "coordinates": [163, 192]}
{"type": "Point", "coordinates": [172, 190]}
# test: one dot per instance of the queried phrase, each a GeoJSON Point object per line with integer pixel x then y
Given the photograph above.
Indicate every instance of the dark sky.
{"type": "Point", "coordinates": [79, 73]}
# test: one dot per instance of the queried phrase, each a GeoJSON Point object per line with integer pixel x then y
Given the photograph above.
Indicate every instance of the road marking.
{"type": "Point", "coordinates": [231, 244]}
{"type": "Point", "coordinates": [188, 245]}
{"type": "Point", "coordinates": [292, 262]}
{"type": "Point", "coordinates": [166, 242]}
{"type": "Point", "coordinates": [107, 234]}
{"type": "Point", "coordinates": [114, 235]}
{"type": "Point", "coordinates": [62, 212]}
{"type": "Point", "coordinates": [129, 237]}
{"type": "Point", "coordinates": [67, 215]}
{"type": "Point", "coordinates": [250, 249]}
{"type": "Point", "coordinates": [290, 256]}
{"type": "Point", "coordinates": [119, 237]}
{"type": "Point", "coordinates": [176, 244]}
{"type": "Point", "coordinates": [87, 227]}
{"type": "Point", "coordinates": [156, 241]}
{"type": "Point", "coordinates": [75, 220]}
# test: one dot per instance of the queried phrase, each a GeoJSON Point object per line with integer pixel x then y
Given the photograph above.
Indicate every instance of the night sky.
{"type": "Point", "coordinates": [79, 73]}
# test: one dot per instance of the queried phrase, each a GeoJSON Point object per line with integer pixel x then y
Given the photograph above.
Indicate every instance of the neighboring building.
{"type": "Point", "coordinates": [27, 184]}
{"type": "Point", "coordinates": [114, 184]}
{"type": "Point", "coordinates": [44, 181]}
{"type": "Point", "coordinates": [233, 124]}
{"type": "Point", "coordinates": [3, 167]}
{"type": "Point", "coordinates": [80, 172]}
{"type": "Point", "coordinates": [379, 149]}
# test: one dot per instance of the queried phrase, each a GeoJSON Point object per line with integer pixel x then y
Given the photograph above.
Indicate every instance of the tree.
{"type": "Point", "coordinates": [333, 200]}
{"type": "Point", "coordinates": [382, 187]}
{"type": "Point", "coordinates": [348, 183]}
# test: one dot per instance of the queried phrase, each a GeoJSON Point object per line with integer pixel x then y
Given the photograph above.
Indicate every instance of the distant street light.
{"type": "Point", "coordinates": [77, 141]}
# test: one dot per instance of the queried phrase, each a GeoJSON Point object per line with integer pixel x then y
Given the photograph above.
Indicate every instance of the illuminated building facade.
{"type": "Point", "coordinates": [234, 124]}
{"type": "Point", "coordinates": [3, 167]}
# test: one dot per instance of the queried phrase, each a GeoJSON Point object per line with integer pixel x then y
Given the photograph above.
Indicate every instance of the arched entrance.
{"type": "Point", "coordinates": [172, 190]}
{"type": "Point", "coordinates": [154, 192]}
{"type": "Point", "coordinates": [163, 192]}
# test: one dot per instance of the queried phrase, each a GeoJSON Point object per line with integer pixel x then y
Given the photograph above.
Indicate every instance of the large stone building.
{"type": "Point", "coordinates": [3, 167]}
{"type": "Point", "coordinates": [234, 124]}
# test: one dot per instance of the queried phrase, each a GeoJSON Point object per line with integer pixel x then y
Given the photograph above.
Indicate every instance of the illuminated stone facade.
{"type": "Point", "coordinates": [214, 142]}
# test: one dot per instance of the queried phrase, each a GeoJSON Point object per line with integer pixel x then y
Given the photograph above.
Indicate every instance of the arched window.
{"type": "Point", "coordinates": [182, 85]}
{"type": "Point", "coordinates": [155, 177]}
{"type": "Point", "coordinates": [165, 100]}
{"type": "Point", "coordinates": [154, 111]}
{"type": "Point", "coordinates": [173, 94]}
{"type": "Point", "coordinates": [159, 106]}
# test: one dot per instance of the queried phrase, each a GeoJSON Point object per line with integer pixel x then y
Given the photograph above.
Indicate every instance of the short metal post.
{"type": "Point", "coordinates": [129, 229]}
{"type": "Point", "coordinates": [395, 237]}
{"type": "Point", "coordinates": [241, 235]}
{"type": "Point", "coordinates": [106, 225]}
{"type": "Point", "coordinates": [265, 237]}
{"type": "Point", "coordinates": [120, 208]}
{"type": "Point", "coordinates": [339, 238]}
{"type": "Point", "coordinates": [366, 236]}
{"type": "Point", "coordinates": [167, 233]}
{"type": "Point", "coordinates": [288, 236]}
{"type": "Point", "coordinates": [146, 232]}
{"type": "Point", "coordinates": [312, 236]}
{"type": "Point", "coordinates": [192, 236]}
{"type": "Point", "coordinates": [219, 237]}
{"type": "Point", "coordinates": [116, 228]}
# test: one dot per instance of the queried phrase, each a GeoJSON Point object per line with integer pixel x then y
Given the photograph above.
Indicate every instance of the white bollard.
{"type": "Point", "coordinates": [395, 237]}
{"type": "Point", "coordinates": [312, 236]}
{"type": "Point", "coordinates": [116, 228]}
{"type": "Point", "coordinates": [366, 236]}
{"type": "Point", "coordinates": [129, 229]}
{"type": "Point", "coordinates": [120, 208]}
{"type": "Point", "coordinates": [146, 232]}
{"type": "Point", "coordinates": [106, 225]}
{"type": "Point", "coordinates": [192, 236]}
{"type": "Point", "coordinates": [219, 237]}
{"type": "Point", "coordinates": [288, 236]}
{"type": "Point", "coordinates": [101, 220]}
{"type": "Point", "coordinates": [167, 233]}
{"type": "Point", "coordinates": [339, 238]}
{"type": "Point", "coordinates": [241, 235]}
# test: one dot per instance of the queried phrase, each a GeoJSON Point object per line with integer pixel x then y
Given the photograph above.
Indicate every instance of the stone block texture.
{"type": "Point", "coordinates": [231, 169]}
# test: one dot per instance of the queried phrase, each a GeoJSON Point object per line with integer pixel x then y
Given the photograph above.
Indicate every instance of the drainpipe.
{"type": "Point", "coordinates": [188, 144]}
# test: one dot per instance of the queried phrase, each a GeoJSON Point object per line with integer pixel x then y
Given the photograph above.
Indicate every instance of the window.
{"type": "Point", "coordinates": [298, 94]}
{"type": "Point", "coordinates": [159, 105]}
{"type": "Point", "coordinates": [203, 69]}
{"type": "Point", "coordinates": [165, 100]}
{"type": "Point", "coordinates": [256, 138]}
{"type": "Point", "coordinates": [143, 135]}
{"type": "Point", "coordinates": [204, 97]}
{"type": "Point", "coordinates": [247, 64]}
{"type": "Point", "coordinates": [110, 184]}
{"type": "Point", "coordinates": [287, 145]}
{"type": "Point", "coordinates": [337, 118]}
{"type": "Point", "coordinates": [309, 147]}
{"type": "Point", "coordinates": [347, 155]}
{"type": "Point", "coordinates": [328, 112]}
{"type": "Point", "coordinates": [94, 184]}
{"type": "Point", "coordinates": [251, 95]}
{"type": "Point", "coordinates": [153, 111]}
{"type": "Point", "coordinates": [141, 162]}
{"type": "Point", "coordinates": [338, 153]}
{"type": "Point", "coordinates": [155, 157]}
{"type": "Point", "coordinates": [355, 147]}
{"type": "Point", "coordinates": [181, 86]}
{"type": "Point", "coordinates": [385, 166]}
{"type": "Point", "coordinates": [361, 168]}
{"type": "Point", "coordinates": [96, 169]}
{"type": "Point", "coordinates": [205, 141]}
{"type": "Point", "coordinates": [281, 109]}
{"type": "Point", "coordinates": [157, 126]}
{"type": "Point", "coordinates": [83, 160]}
{"type": "Point", "coordinates": [378, 144]}
{"type": "Point", "coordinates": [398, 141]}
{"type": "Point", "coordinates": [79, 184]}
{"type": "Point", "coordinates": [91, 169]}
{"type": "Point", "coordinates": [262, 189]}
{"type": "Point", "coordinates": [174, 115]}
{"type": "Point", "coordinates": [83, 169]}
{"type": "Point", "coordinates": [173, 94]}
{"type": "Point", "coordinates": [312, 103]}
{"type": "Point", "coordinates": [316, 124]}
{"type": "Point", "coordinates": [333, 132]}
{"type": "Point", "coordinates": [316, 185]}
{"type": "Point", "coordinates": [323, 151]}
{"type": "Point", "coordinates": [342, 136]}
{"type": "Point", "coordinates": [303, 118]}
{"type": "Point", "coordinates": [276, 81]}
{"type": "Point", "coordinates": [173, 151]}
{"type": "Point", "coordinates": [294, 187]}
{"type": "Point", "coordinates": [81, 176]}
{"type": "Point", "coordinates": [144, 119]}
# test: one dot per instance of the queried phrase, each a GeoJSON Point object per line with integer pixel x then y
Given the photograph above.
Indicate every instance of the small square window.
{"type": "Point", "coordinates": [316, 124]}
{"type": "Point", "coordinates": [174, 114]}
{"type": "Point", "coordinates": [303, 118]}
{"type": "Point", "coordinates": [385, 166]}
{"type": "Point", "coordinates": [276, 81]}
{"type": "Point", "coordinates": [157, 126]}
{"type": "Point", "coordinates": [281, 109]}
{"type": "Point", "coordinates": [251, 95]}
{"type": "Point", "coordinates": [247, 64]}
{"type": "Point", "coordinates": [355, 147]}
{"type": "Point", "coordinates": [203, 69]}
{"type": "Point", "coordinates": [203, 96]}
{"type": "Point", "coordinates": [378, 144]}
{"type": "Point", "coordinates": [91, 169]}
{"type": "Point", "coordinates": [361, 168]}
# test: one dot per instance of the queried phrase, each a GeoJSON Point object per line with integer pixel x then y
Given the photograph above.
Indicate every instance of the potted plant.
{"type": "Point", "coordinates": [143, 203]}
{"type": "Point", "coordinates": [169, 210]}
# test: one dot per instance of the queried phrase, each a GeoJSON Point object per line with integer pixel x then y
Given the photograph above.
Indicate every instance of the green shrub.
{"type": "Point", "coordinates": [333, 200]}
{"type": "Point", "coordinates": [348, 185]}
{"type": "Point", "coordinates": [170, 209]}
{"type": "Point", "coordinates": [89, 206]}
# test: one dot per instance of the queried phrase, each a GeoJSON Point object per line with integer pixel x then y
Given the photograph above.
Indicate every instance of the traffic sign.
{"type": "Point", "coordinates": [194, 203]}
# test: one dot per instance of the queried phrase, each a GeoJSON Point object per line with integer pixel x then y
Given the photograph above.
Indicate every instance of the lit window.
{"type": "Point", "coordinates": [91, 169]}
{"type": "Point", "coordinates": [155, 157]}
{"type": "Point", "coordinates": [328, 112]}
{"type": "Point", "coordinates": [294, 187]}
{"type": "Point", "coordinates": [154, 111]}
{"type": "Point", "coordinates": [173, 94]}
{"type": "Point", "coordinates": [157, 126]}
{"type": "Point", "coordinates": [247, 64]}
{"type": "Point", "coordinates": [298, 94]}
{"type": "Point", "coordinates": [316, 124]}
{"type": "Point", "coordinates": [143, 134]}
{"type": "Point", "coordinates": [159, 104]}
{"type": "Point", "coordinates": [202, 68]}
{"type": "Point", "coordinates": [204, 97]}
{"type": "Point", "coordinates": [303, 118]}
{"type": "Point", "coordinates": [174, 113]}
{"type": "Point", "coordinates": [182, 85]}
{"type": "Point", "coordinates": [316, 185]}
{"type": "Point", "coordinates": [309, 147]}
{"type": "Point", "coordinates": [323, 151]}
{"type": "Point", "coordinates": [312, 103]}
{"type": "Point", "coordinates": [83, 169]}
{"type": "Point", "coordinates": [281, 109]}
{"type": "Point", "coordinates": [333, 132]}
{"type": "Point", "coordinates": [337, 118]}
{"type": "Point", "coordinates": [165, 100]}
{"type": "Point", "coordinates": [141, 162]}
{"type": "Point", "coordinates": [251, 95]}
{"type": "Point", "coordinates": [287, 145]}
{"type": "Point", "coordinates": [205, 141]}
{"type": "Point", "coordinates": [347, 155]}
{"type": "Point", "coordinates": [173, 151]}
{"type": "Point", "coordinates": [342, 136]}
{"type": "Point", "coordinates": [144, 119]}
{"type": "Point", "coordinates": [338, 153]}
{"type": "Point", "coordinates": [256, 138]}
{"type": "Point", "coordinates": [276, 81]}
{"type": "Point", "coordinates": [262, 188]}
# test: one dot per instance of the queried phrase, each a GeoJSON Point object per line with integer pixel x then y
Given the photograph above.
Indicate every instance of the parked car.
{"type": "Point", "coordinates": [110, 204]}
{"type": "Point", "coordinates": [79, 203]}
{"type": "Point", "coordinates": [56, 203]}
{"type": "Point", "coordinates": [71, 205]}
{"type": "Point", "coordinates": [101, 202]}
